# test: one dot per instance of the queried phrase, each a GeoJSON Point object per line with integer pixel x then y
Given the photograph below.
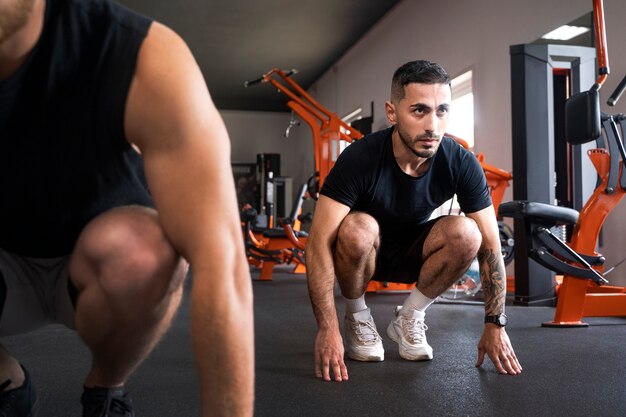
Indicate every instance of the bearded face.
{"type": "Point", "coordinates": [421, 145]}
{"type": "Point", "coordinates": [421, 117]}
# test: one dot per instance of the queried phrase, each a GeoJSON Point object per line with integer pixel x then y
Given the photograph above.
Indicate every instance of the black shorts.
{"type": "Point", "coordinates": [401, 260]}
{"type": "Point", "coordinates": [34, 293]}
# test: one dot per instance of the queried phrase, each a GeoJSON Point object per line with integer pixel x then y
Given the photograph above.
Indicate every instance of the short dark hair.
{"type": "Point", "coordinates": [423, 72]}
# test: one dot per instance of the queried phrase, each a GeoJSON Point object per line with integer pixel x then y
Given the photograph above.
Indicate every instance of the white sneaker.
{"type": "Point", "coordinates": [409, 332]}
{"type": "Point", "coordinates": [362, 339]}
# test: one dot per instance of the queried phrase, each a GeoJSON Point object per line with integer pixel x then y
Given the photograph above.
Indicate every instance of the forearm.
{"type": "Point", "coordinates": [223, 341]}
{"type": "Point", "coordinates": [321, 283]}
{"type": "Point", "coordinates": [493, 279]}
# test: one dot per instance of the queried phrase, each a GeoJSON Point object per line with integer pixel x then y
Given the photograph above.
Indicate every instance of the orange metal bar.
{"type": "Point", "coordinates": [578, 297]}
{"type": "Point", "coordinates": [326, 126]}
{"type": "Point", "coordinates": [603, 305]}
{"type": "Point", "coordinates": [301, 91]}
{"type": "Point", "coordinates": [601, 48]}
{"type": "Point", "coordinates": [297, 242]}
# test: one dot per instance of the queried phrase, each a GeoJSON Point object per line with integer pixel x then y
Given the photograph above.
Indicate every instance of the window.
{"type": "Point", "coordinates": [461, 122]}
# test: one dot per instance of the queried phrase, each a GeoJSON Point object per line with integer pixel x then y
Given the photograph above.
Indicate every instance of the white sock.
{"type": "Point", "coordinates": [356, 305]}
{"type": "Point", "coordinates": [416, 301]}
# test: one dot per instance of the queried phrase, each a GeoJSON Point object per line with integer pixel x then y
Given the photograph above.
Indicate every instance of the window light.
{"type": "Point", "coordinates": [565, 32]}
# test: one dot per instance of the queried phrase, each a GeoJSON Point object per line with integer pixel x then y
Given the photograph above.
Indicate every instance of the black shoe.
{"type": "Point", "coordinates": [106, 402]}
{"type": "Point", "coordinates": [20, 401]}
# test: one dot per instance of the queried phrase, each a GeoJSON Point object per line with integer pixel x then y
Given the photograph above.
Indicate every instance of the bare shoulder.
{"type": "Point", "coordinates": [162, 43]}
{"type": "Point", "coordinates": [329, 214]}
{"type": "Point", "coordinates": [168, 94]}
{"type": "Point", "coordinates": [165, 62]}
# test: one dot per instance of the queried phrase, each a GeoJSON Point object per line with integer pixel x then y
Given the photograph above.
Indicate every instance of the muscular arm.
{"type": "Point", "coordinates": [171, 118]}
{"type": "Point", "coordinates": [494, 342]}
{"type": "Point", "coordinates": [321, 279]}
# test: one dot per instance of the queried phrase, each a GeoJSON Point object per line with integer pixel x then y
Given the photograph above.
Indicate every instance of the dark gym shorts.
{"type": "Point", "coordinates": [34, 293]}
{"type": "Point", "coordinates": [400, 260]}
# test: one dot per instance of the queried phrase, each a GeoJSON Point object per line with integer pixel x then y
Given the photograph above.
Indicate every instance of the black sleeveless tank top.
{"type": "Point", "coordinates": [64, 157]}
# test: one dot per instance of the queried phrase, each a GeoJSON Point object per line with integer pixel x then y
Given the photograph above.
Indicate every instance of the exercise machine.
{"type": "Point", "coordinates": [583, 292]}
{"type": "Point", "coordinates": [269, 247]}
{"type": "Point", "coordinates": [329, 133]}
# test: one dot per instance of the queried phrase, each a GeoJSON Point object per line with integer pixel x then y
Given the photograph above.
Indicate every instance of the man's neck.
{"type": "Point", "coordinates": [15, 50]}
{"type": "Point", "coordinates": [408, 162]}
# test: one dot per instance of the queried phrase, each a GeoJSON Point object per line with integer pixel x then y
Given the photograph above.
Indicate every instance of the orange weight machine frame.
{"type": "Point", "coordinates": [327, 128]}
{"type": "Point", "coordinates": [328, 131]}
{"type": "Point", "coordinates": [583, 292]}
{"type": "Point", "coordinates": [266, 248]}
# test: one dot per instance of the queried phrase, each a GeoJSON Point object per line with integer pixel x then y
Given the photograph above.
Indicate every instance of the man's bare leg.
{"type": "Point", "coordinates": [354, 259]}
{"type": "Point", "coordinates": [448, 251]}
{"type": "Point", "coordinates": [355, 253]}
{"type": "Point", "coordinates": [129, 280]}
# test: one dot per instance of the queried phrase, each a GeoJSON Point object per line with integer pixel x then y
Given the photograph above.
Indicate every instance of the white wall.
{"type": "Point", "coordinates": [473, 35]}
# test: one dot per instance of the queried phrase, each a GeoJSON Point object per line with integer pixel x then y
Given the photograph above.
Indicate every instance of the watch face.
{"type": "Point", "coordinates": [500, 320]}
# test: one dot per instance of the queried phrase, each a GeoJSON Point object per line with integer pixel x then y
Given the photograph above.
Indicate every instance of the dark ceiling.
{"type": "Point", "coordinates": [238, 40]}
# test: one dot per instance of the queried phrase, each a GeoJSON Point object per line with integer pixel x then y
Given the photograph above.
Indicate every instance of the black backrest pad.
{"type": "Point", "coordinates": [582, 117]}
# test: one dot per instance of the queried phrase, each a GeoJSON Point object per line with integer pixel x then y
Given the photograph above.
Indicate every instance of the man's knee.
{"type": "Point", "coordinates": [461, 235]}
{"type": "Point", "coordinates": [125, 252]}
{"type": "Point", "coordinates": [465, 234]}
{"type": "Point", "coordinates": [358, 234]}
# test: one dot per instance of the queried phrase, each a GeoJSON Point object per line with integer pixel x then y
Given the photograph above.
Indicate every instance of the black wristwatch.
{"type": "Point", "coordinates": [499, 319]}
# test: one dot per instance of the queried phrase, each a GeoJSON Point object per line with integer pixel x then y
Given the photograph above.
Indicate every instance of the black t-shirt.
{"type": "Point", "coordinates": [64, 157]}
{"type": "Point", "coordinates": [366, 177]}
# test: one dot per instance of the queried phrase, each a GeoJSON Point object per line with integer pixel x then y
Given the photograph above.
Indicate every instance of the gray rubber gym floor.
{"type": "Point", "coordinates": [567, 372]}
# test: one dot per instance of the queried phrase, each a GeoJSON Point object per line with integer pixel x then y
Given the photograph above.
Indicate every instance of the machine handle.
{"type": "Point", "coordinates": [291, 72]}
{"type": "Point", "coordinates": [265, 77]}
{"type": "Point", "coordinates": [249, 83]}
{"type": "Point", "coordinates": [612, 101]}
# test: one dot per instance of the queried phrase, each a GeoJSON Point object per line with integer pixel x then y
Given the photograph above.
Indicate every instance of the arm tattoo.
{"type": "Point", "coordinates": [493, 278]}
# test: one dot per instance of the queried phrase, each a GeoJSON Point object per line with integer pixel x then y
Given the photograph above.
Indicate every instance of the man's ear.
{"type": "Point", "coordinates": [390, 109]}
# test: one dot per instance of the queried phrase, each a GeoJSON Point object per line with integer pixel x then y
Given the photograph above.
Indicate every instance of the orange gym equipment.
{"type": "Point", "coordinates": [583, 292]}
{"type": "Point", "coordinates": [266, 248]}
{"type": "Point", "coordinates": [328, 132]}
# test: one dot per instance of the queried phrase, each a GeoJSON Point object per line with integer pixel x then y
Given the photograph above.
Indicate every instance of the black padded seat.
{"type": "Point", "coordinates": [281, 233]}
{"type": "Point", "coordinates": [545, 214]}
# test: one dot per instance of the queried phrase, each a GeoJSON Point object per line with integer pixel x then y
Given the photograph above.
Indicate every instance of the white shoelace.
{"type": "Point", "coordinates": [414, 330]}
{"type": "Point", "coordinates": [365, 332]}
